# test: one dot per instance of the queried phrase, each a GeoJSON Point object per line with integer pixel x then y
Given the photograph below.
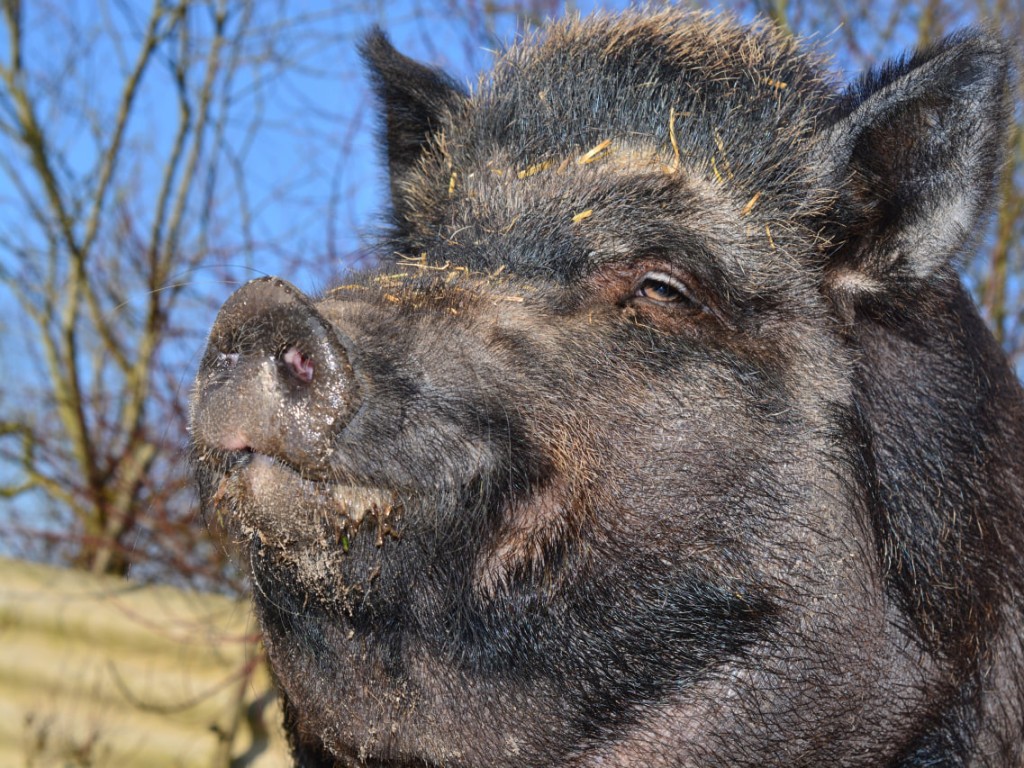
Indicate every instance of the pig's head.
{"type": "Point", "coordinates": [665, 436]}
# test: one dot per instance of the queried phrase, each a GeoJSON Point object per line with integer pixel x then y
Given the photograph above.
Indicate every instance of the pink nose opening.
{"type": "Point", "coordinates": [301, 366]}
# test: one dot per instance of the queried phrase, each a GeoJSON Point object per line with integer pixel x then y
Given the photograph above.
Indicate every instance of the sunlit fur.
{"type": "Point", "coordinates": [665, 435]}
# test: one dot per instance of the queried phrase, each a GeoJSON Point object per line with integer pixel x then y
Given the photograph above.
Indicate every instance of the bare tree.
{"type": "Point", "coordinates": [95, 296]}
{"type": "Point", "coordinates": [122, 144]}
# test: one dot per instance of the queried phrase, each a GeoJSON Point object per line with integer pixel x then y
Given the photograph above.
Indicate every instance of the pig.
{"type": "Point", "coordinates": [664, 432]}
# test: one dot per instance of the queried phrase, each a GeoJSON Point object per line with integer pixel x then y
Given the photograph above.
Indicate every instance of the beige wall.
{"type": "Point", "coordinates": [99, 672]}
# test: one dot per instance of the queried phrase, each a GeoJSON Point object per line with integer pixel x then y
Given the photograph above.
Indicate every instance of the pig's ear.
{"type": "Point", "coordinates": [413, 98]}
{"type": "Point", "coordinates": [915, 156]}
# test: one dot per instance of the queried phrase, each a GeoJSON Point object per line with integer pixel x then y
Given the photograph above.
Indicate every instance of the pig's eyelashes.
{"type": "Point", "coordinates": [662, 288]}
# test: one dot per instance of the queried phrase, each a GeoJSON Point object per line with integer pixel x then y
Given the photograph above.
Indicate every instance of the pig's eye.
{"type": "Point", "coordinates": [662, 288]}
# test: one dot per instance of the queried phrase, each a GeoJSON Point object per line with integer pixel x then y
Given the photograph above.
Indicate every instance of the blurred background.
{"type": "Point", "coordinates": [153, 156]}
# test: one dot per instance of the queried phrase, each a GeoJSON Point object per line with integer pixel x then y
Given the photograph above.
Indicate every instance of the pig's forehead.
{"type": "Point", "coordinates": [600, 138]}
{"type": "Point", "coordinates": [719, 87]}
{"type": "Point", "coordinates": [615, 202]}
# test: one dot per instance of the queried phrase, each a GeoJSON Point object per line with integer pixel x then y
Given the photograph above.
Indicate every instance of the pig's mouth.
{"type": "Point", "coordinates": [267, 501]}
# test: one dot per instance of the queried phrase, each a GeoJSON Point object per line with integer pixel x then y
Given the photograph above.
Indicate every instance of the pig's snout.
{"type": "Point", "coordinates": [276, 379]}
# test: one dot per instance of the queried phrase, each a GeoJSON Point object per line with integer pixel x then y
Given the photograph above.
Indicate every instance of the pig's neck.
{"type": "Point", "coordinates": [944, 417]}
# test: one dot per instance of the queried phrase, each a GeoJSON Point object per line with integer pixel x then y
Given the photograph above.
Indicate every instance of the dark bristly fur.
{"type": "Point", "coordinates": [665, 436]}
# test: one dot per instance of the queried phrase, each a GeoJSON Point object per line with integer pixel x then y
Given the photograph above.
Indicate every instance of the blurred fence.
{"type": "Point", "coordinates": [99, 672]}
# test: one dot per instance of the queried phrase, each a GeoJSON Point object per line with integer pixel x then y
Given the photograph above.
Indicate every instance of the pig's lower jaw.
{"type": "Point", "coordinates": [396, 672]}
{"type": "Point", "coordinates": [392, 705]}
{"type": "Point", "coordinates": [384, 698]}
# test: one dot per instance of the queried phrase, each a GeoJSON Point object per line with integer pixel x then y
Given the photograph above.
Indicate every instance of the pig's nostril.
{"type": "Point", "coordinates": [300, 366]}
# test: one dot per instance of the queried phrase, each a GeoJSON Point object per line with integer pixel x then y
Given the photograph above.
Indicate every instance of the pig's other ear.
{"type": "Point", "coordinates": [413, 98]}
{"type": "Point", "coordinates": [915, 156]}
